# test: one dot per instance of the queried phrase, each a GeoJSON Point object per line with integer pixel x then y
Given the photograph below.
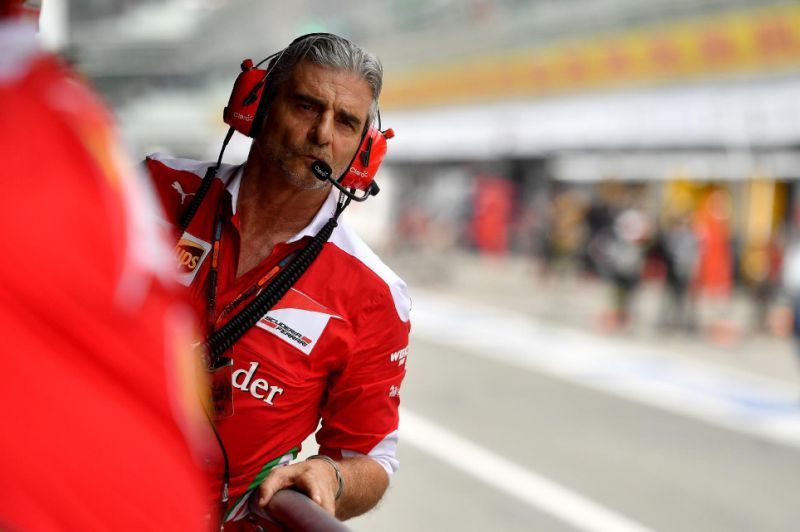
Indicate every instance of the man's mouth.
{"type": "Point", "coordinates": [312, 157]}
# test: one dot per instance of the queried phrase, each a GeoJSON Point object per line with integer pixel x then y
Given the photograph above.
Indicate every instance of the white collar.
{"type": "Point", "coordinates": [325, 212]}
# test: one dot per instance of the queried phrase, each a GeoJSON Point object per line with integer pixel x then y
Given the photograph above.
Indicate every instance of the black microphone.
{"type": "Point", "coordinates": [323, 172]}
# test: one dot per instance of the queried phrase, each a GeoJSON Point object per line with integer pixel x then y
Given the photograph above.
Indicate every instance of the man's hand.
{"type": "Point", "coordinates": [315, 478]}
{"type": "Point", "coordinates": [365, 482]}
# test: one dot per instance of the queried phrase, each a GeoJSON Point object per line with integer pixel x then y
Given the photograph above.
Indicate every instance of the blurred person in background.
{"type": "Point", "coordinates": [599, 223]}
{"type": "Point", "coordinates": [791, 284]}
{"type": "Point", "coordinates": [491, 215]}
{"type": "Point", "coordinates": [713, 282]}
{"type": "Point", "coordinates": [334, 346]}
{"type": "Point", "coordinates": [625, 255]}
{"type": "Point", "coordinates": [761, 269]}
{"type": "Point", "coordinates": [678, 246]}
{"type": "Point", "coordinates": [101, 420]}
{"type": "Point", "coordinates": [564, 233]}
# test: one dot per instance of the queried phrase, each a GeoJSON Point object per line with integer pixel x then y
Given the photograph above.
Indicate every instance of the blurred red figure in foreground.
{"type": "Point", "coordinates": [101, 420]}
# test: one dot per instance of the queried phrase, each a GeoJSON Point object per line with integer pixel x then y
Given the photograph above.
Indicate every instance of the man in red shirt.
{"type": "Point", "coordinates": [334, 347]}
{"type": "Point", "coordinates": [101, 423]}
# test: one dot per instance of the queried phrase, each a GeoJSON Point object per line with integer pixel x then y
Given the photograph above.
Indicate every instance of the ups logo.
{"type": "Point", "coordinates": [188, 255]}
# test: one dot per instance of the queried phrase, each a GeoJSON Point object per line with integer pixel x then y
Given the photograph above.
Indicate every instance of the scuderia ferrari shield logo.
{"type": "Point", "coordinates": [189, 255]}
{"type": "Point", "coordinates": [298, 320]}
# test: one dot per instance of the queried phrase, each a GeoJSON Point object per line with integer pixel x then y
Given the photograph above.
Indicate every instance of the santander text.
{"type": "Point", "coordinates": [258, 388]}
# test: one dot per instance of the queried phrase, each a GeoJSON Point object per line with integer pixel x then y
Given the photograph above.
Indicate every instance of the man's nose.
{"type": "Point", "coordinates": [321, 133]}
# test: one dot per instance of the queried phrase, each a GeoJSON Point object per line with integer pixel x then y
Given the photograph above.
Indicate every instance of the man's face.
{"type": "Point", "coordinates": [319, 113]}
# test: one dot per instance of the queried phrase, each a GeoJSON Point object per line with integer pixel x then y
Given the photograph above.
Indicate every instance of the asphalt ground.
{"type": "Point", "coordinates": [565, 298]}
{"type": "Point", "coordinates": [519, 415]}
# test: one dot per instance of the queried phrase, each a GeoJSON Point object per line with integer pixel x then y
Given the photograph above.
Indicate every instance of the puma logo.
{"type": "Point", "coordinates": [177, 186]}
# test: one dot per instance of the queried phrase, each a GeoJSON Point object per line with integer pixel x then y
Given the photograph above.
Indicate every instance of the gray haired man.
{"type": "Point", "coordinates": [333, 348]}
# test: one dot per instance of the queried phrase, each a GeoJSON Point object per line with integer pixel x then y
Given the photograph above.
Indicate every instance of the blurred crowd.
{"type": "Point", "coordinates": [701, 243]}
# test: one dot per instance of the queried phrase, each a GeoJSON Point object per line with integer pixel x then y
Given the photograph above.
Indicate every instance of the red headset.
{"type": "Point", "coordinates": [245, 113]}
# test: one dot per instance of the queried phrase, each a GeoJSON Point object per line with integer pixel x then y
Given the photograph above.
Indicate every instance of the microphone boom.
{"type": "Point", "coordinates": [323, 172]}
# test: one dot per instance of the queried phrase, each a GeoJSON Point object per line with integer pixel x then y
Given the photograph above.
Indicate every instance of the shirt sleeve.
{"type": "Point", "coordinates": [360, 415]}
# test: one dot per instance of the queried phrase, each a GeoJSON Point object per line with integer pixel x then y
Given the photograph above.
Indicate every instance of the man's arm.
{"type": "Point", "coordinates": [365, 482]}
{"type": "Point", "coordinates": [359, 418]}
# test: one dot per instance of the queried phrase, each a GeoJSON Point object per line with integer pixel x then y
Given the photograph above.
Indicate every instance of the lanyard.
{"type": "Point", "coordinates": [214, 273]}
{"type": "Point", "coordinates": [213, 280]}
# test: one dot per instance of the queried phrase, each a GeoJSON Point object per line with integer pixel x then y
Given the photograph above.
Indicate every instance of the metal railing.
{"type": "Point", "coordinates": [292, 510]}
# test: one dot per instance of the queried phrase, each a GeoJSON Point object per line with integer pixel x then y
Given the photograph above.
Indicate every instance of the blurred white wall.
{"type": "Point", "coordinates": [54, 24]}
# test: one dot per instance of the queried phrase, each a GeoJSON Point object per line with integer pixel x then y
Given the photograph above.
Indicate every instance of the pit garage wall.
{"type": "Point", "coordinates": [710, 102]}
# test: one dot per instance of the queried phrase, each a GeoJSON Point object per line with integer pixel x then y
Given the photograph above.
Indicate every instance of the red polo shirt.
{"type": "Point", "coordinates": [333, 348]}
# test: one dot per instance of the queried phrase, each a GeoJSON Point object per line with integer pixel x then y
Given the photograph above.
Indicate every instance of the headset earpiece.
{"type": "Point", "coordinates": [243, 112]}
{"type": "Point", "coordinates": [365, 164]}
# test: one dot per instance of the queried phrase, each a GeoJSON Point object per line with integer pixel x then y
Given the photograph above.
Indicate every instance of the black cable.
{"type": "Point", "coordinates": [205, 185]}
{"type": "Point", "coordinates": [226, 472]}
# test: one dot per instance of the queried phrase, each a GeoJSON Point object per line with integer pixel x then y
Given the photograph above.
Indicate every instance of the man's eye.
{"type": "Point", "coordinates": [348, 124]}
{"type": "Point", "coordinates": [305, 106]}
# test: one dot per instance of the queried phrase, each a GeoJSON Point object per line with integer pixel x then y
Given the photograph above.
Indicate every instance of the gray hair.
{"type": "Point", "coordinates": [328, 50]}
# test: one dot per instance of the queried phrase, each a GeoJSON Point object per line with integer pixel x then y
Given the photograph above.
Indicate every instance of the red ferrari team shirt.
{"type": "Point", "coordinates": [100, 418]}
{"type": "Point", "coordinates": [333, 348]}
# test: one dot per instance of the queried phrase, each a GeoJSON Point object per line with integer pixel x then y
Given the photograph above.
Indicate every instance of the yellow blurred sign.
{"type": "Point", "coordinates": [751, 41]}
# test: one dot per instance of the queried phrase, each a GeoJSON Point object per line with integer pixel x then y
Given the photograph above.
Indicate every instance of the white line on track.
{"type": "Point", "coordinates": [636, 372]}
{"type": "Point", "coordinates": [510, 478]}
